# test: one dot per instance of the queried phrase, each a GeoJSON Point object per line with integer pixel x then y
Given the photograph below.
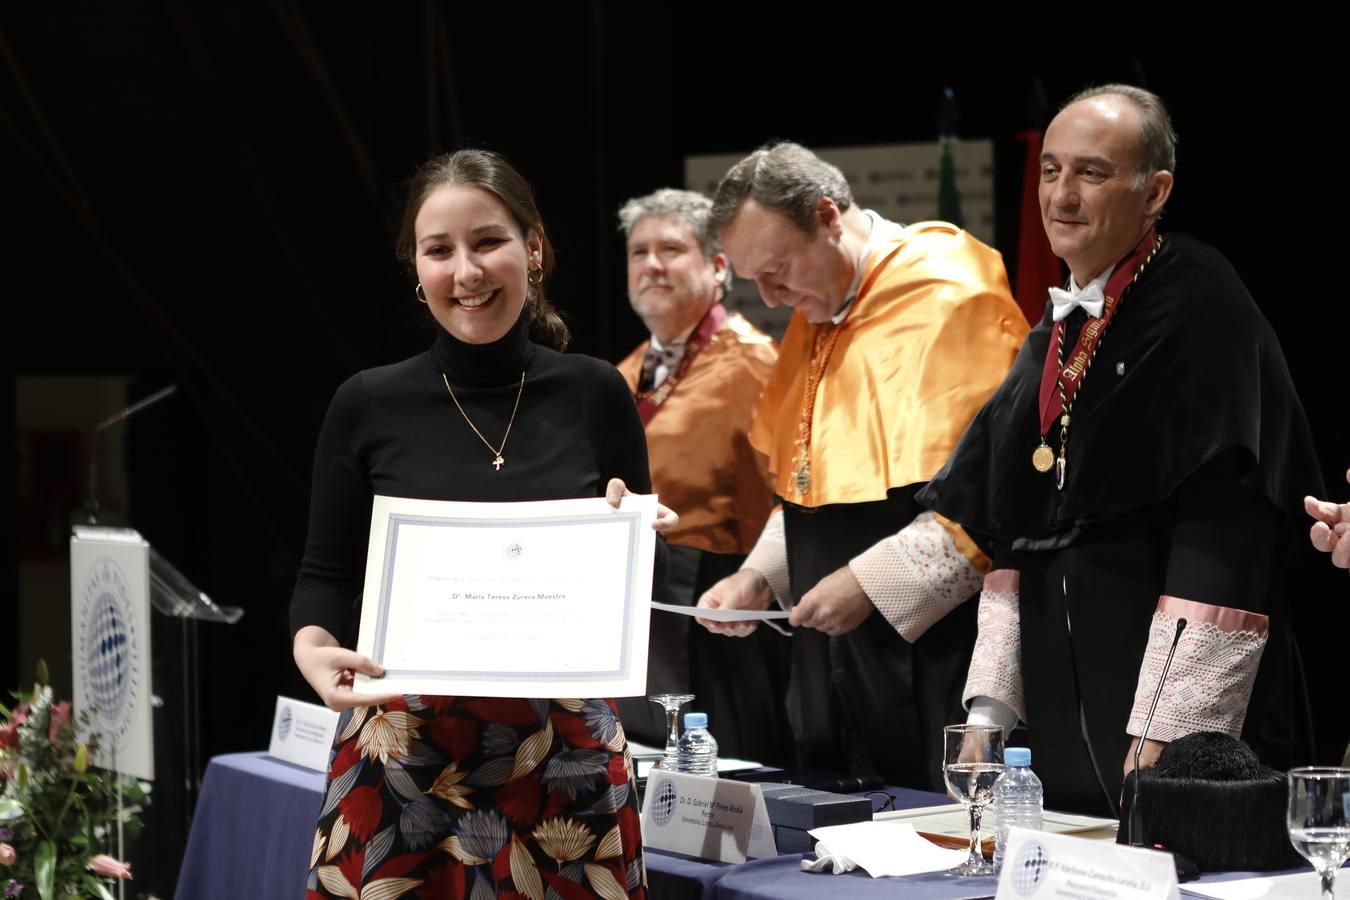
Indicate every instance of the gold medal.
{"type": "Point", "coordinates": [803, 478]}
{"type": "Point", "coordinates": [1042, 459]}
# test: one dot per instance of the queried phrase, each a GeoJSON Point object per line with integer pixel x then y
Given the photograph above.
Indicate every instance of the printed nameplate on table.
{"type": "Point", "coordinates": [302, 733]}
{"type": "Point", "coordinates": [1041, 866]}
{"type": "Point", "coordinates": [538, 599]}
{"type": "Point", "coordinates": [709, 818]}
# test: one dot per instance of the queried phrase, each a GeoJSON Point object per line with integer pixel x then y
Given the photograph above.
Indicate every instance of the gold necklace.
{"type": "Point", "coordinates": [814, 373]}
{"type": "Point", "coordinates": [498, 460]}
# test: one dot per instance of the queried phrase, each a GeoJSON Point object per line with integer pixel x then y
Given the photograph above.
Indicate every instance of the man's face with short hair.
{"type": "Point", "coordinates": [671, 285]}
{"type": "Point", "coordinates": [808, 273]}
{"type": "Point", "coordinates": [1092, 210]}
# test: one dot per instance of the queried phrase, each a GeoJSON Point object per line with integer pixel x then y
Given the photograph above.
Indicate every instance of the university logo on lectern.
{"type": "Point", "coordinates": [109, 651]}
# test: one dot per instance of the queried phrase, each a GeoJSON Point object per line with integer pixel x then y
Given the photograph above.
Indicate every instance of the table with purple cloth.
{"type": "Point", "coordinates": [782, 879]}
{"type": "Point", "coordinates": [253, 832]}
{"type": "Point", "coordinates": [254, 829]}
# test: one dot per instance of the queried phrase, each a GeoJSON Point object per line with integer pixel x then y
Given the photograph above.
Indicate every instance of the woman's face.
{"type": "Point", "coordinates": [472, 262]}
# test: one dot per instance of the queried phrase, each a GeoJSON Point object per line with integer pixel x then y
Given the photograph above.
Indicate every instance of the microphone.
{"type": "Point", "coordinates": [91, 505]}
{"type": "Point", "coordinates": [1136, 824]}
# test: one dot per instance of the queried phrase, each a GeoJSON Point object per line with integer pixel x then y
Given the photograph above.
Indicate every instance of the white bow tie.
{"type": "Point", "coordinates": [1090, 298]}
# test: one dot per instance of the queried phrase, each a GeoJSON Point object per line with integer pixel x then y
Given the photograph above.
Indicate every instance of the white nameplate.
{"type": "Point", "coordinates": [1041, 866]}
{"type": "Point", "coordinates": [710, 818]}
{"type": "Point", "coordinates": [302, 733]}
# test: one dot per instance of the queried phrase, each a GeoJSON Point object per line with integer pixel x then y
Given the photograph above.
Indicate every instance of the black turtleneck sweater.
{"type": "Point", "coordinates": [395, 431]}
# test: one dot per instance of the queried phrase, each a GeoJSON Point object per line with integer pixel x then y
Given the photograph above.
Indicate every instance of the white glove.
{"type": "Point", "coordinates": [827, 861]}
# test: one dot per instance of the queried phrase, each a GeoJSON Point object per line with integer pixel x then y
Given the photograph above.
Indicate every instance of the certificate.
{"type": "Point", "coordinates": [540, 599]}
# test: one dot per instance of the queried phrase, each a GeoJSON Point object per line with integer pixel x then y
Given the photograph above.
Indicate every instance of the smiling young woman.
{"type": "Point", "coordinates": [461, 796]}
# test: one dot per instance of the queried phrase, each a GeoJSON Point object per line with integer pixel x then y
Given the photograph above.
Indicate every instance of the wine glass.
{"type": "Point", "coordinates": [1319, 819]}
{"type": "Point", "coordinates": [671, 703]}
{"type": "Point", "coordinates": [972, 760]}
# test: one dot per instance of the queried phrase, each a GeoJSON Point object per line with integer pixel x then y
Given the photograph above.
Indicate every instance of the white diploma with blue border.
{"type": "Point", "coordinates": [538, 599]}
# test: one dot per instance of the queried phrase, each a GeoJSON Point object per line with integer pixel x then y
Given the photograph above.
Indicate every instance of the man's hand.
{"type": "Point", "coordinates": [746, 589]}
{"type": "Point", "coordinates": [1331, 532]}
{"type": "Point", "coordinates": [1148, 758]}
{"type": "Point", "coordinates": [836, 605]}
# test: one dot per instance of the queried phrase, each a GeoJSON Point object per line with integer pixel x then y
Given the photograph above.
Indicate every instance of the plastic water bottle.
{"type": "Point", "coordinates": [697, 751]}
{"type": "Point", "coordinates": [1018, 799]}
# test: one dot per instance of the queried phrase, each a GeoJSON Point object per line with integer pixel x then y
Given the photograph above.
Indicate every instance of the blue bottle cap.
{"type": "Point", "coordinates": [695, 720]}
{"type": "Point", "coordinates": [1017, 756]}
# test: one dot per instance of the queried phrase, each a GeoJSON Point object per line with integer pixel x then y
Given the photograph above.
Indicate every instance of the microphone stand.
{"type": "Point", "coordinates": [1136, 823]}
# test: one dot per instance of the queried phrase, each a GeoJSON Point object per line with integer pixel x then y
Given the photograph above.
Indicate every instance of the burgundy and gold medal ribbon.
{"type": "Point", "coordinates": [1070, 376]}
{"type": "Point", "coordinates": [649, 402]}
{"type": "Point", "coordinates": [1061, 377]}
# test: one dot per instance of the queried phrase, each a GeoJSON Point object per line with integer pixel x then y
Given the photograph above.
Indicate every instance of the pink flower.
{"type": "Point", "coordinates": [9, 733]}
{"type": "Point", "coordinates": [105, 865]}
{"type": "Point", "coordinates": [7, 855]}
{"type": "Point", "coordinates": [60, 716]}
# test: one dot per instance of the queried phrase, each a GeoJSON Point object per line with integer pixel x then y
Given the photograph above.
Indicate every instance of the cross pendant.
{"type": "Point", "coordinates": [498, 462]}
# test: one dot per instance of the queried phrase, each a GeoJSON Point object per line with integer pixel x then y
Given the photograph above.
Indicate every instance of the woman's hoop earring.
{"type": "Point", "coordinates": [421, 294]}
{"type": "Point", "coordinates": [535, 276]}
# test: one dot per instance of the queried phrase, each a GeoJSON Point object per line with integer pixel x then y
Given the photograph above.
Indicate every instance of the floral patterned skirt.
{"type": "Point", "coordinates": [479, 797]}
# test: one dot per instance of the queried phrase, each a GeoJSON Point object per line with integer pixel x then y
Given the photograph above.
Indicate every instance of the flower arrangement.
{"type": "Point", "coordinates": [58, 814]}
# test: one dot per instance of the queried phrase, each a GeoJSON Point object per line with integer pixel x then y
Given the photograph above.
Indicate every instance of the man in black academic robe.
{"type": "Point", "coordinates": [1144, 462]}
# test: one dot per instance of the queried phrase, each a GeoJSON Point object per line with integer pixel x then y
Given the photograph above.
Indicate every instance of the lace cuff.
{"type": "Point", "coordinates": [769, 558]}
{"type": "Point", "coordinates": [1212, 672]}
{"type": "Point", "coordinates": [996, 665]}
{"type": "Point", "coordinates": [917, 576]}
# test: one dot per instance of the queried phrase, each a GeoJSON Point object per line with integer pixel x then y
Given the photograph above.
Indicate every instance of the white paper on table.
{"type": "Point", "coordinates": [538, 599]}
{"type": "Point", "coordinates": [1299, 886]}
{"type": "Point", "coordinates": [645, 757]}
{"type": "Point", "coordinates": [885, 848]}
{"type": "Point", "coordinates": [953, 820]}
{"type": "Point", "coordinates": [722, 615]}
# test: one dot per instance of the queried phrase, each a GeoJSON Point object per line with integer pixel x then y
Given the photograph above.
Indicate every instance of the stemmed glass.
{"type": "Point", "coordinates": [671, 703]}
{"type": "Point", "coordinates": [972, 760]}
{"type": "Point", "coordinates": [1319, 819]}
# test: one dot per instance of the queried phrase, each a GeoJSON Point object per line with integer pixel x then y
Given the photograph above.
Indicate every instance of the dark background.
{"type": "Point", "coordinates": [206, 195]}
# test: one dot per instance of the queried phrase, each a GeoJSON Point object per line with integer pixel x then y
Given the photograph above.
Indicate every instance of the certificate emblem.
{"type": "Point", "coordinates": [513, 550]}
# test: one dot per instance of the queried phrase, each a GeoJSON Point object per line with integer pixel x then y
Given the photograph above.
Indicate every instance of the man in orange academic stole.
{"type": "Point", "coordinates": [898, 337]}
{"type": "Point", "coordinates": [697, 382]}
